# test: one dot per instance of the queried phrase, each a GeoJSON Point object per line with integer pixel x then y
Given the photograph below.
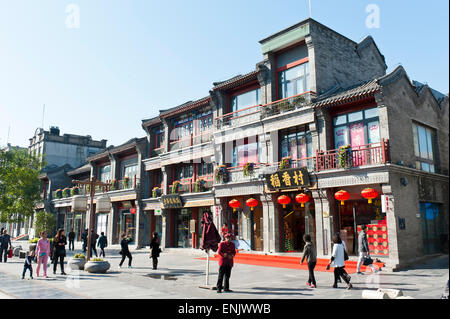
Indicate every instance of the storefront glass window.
{"type": "Point", "coordinates": [423, 147]}
{"type": "Point", "coordinates": [105, 173]}
{"type": "Point", "coordinates": [245, 100]}
{"type": "Point", "coordinates": [245, 151]}
{"type": "Point", "coordinates": [297, 145]}
{"type": "Point", "coordinates": [294, 81]}
{"type": "Point", "coordinates": [184, 237]}
{"type": "Point", "coordinates": [356, 128]}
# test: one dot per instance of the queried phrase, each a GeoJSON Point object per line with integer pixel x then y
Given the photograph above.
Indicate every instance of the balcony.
{"type": "Point", "coordinates": [370, 154]}
{"type": "Point", "coordinates": [259, 112]}
{"type": "Point", "coordinates": [191, 141]}
{"type": "Point", "coordinates": [124, 184]}
{"type": "Point", "coordinates": [188, 185]}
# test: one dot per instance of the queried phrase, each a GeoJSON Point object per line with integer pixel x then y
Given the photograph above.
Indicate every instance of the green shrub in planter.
{"type": "Point", "coordinates": [175, 187]}
{"type": "Point", "coordinates": [74, 191]}
{"type": "Point", "coordinates": [66, 192]}
{"type": "Point", "coordinates": [79, 256]}
{"type": "Point", "coordinates": [248, 169]}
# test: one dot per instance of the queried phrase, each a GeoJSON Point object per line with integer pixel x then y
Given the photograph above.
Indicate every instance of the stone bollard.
{"type": "Point", "coordinates": [392, 293]}
{"type": "Point", "coordinates": [16, 251]}
{"type": "Point", "coordinates": [372, 294]}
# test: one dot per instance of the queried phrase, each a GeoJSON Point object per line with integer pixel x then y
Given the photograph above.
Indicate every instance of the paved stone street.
{"type": "Point", "coordinates": [180, 274]}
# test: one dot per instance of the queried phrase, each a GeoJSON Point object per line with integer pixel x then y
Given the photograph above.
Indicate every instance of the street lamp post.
{"type": "Point", "coordinates": [91, 183]}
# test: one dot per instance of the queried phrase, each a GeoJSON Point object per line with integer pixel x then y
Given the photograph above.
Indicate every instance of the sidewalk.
{"type": "Point", "coordinates": [180, 274]}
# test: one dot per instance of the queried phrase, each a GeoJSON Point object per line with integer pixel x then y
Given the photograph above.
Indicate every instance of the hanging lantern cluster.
{"type": "Point", "coordinates": [367, 193]}
{"type": "Point", "coordinates": [234, 203]}
{"type": "Point", "coordinates": [252, 203]}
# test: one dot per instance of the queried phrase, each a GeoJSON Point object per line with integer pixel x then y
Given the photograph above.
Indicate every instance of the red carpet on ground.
{"type": "Point", "coordinates": [291, 262]}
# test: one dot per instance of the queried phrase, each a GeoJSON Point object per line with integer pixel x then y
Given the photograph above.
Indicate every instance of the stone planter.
{"type": "Point", "coordinates": [97, 266]}
{"type": "Point", "coordinates": [77, 263]}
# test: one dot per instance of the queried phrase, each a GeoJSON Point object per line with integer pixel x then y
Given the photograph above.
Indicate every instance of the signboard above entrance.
{"type": "Point", "coordinates": [172, 201]}
{"type": "Point", "coordinates": [288, 179]}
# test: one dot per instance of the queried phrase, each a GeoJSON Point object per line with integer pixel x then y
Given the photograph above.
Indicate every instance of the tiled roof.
{"type": "Point", "coordinates": [185, 107]}
{"type": "Point", "coordinates": [235, 81]}
{"type": "Point", "coordinates": [151, 121]}
{"type": "Point", "coordinates": [82, 169]}
{"type": "Point", "coordinates": [116, 149]}
{"type": "Point", "coordinates": [339, 95]}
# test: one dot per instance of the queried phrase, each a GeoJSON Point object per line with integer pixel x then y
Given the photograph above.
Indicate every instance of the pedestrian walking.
{"type": "Point", "coordinates": [27, 264]}
{"type": "Point", "coordinates": [125, 251]}
{"type": "Point", "coordinates": [363, 248]}
{"type": "Point", "coordinates": [5, 245]}
{"type": "Point", "coordinates": [224, 230]}
{"type": "Point", "coordinates": [59, 252]}
{"type": "Point", "coordinates": [84, 238]}
{"type": "Point", "coordinates": [94, 237]}
{"type": "Point", "coordinates": [226, 253]}
{"type": "Point", "coordinates": [155, 250]}
{"type": "Point", "coordinates": [102, 243]}
{"type": "Point", "coordinates": [338, 262]}
{"type": "Point", "coordinates": [309, 253]}
{"type": "Point", "coordinates": [71, 240]}
{"type": "Point", "coordinates": [42, 253]}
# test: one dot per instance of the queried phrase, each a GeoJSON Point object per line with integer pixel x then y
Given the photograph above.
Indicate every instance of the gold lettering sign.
{"type": "Point", "coordinates": [288, 178]}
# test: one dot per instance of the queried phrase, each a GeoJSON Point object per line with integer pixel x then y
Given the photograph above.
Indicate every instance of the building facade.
{"type": "Point", "coordinates": [318, 115]}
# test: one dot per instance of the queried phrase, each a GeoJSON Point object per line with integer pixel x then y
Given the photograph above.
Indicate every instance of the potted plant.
{"type": "Point", "coordinates": [345, 156]}
{"type": "Point", "coordinates": [66, 192]}
{"type": "Point", "coordinates": [156, 192]}
{"type": "Point", "coordinates": [58, 193]}
{"type": "Point", "coordinates": [126, 181]}
{"type": "Point", "coordinates": [285, 162]}
{"type": "Point", "coordinates": [299, 100]}
{"type": "Point", "coordinates": [113, 184]}
{"type": "Point", "coordinates": [221, 174]}
{"type": "Point", "coordinates": [175, 187]}
{"type": "Point", "coordinates": [249, 169]}
{"type": "Point", "coordinates": [97, 265]}
{"type": "Point", "coordinates": [74, 191]}
{"type": "Point", "coordinates": [77, 262]}
{"type": "Point", "coordinates": [199, 186]}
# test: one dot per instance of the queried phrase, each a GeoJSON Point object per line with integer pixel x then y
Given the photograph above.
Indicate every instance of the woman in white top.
{"type": "Point", "coordinates": [337, 261]}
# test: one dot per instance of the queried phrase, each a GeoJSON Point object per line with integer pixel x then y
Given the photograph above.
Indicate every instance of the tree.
{"type": "Point", "coordinates": [44, 221]}
{"type": "Point", "coordinates": [19, 185]}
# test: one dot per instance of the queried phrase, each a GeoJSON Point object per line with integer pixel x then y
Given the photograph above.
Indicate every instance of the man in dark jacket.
{"type": "Point", "coordinates": [102, 243]}
{"type": "Point", "coordinates": [5, 242]}
{"type": "Point", "coordinates": [363, 248]}
{"type": "Point", "coordinates": [71, 239]}
{"type": "Point", "coordinates": [309, 253]}
{"type": "Point", "coordinates": [84, 238]}
{"type": "Point", "coordinates": [94, 237]}
{"type": "Point", "coordinates": [226, 253]}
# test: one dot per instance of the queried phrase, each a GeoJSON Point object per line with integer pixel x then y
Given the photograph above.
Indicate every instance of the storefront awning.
{"type": "Point", "coordinates": [152, 206]}
{"type": "Point", "coordinates": [122, 198]}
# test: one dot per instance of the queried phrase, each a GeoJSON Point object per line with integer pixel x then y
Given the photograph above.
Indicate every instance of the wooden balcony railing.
{"type": "Point", "coordinates": [258, 112]}
{"type": "Point", "coordinates": [370, 154]}
{"type": "Point", "coordinates": [188, 185]}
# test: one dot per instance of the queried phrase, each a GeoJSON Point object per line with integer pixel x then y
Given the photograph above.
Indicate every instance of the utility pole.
{"type": "Point", "coordinates": [91, 183]}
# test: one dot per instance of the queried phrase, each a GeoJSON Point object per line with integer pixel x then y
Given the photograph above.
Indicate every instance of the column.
{"type": "Point", "coordinates": [165, 180]}
{"type": "Point", "coordinates": [271, 232]}
{"type": "Point", "coordinates": [112, 225]}
{"type": "Point", "coordinates": [323, 204]}
{"type": "Point", "coordinates": [165, 232]}
{"type": "Point", "coordinates": [141, 218]}
{"type": "Point", "coordinates": [391, 222]}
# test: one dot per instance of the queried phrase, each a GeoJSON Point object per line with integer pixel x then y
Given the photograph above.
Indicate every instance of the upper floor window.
{"type": "Point", "coordinates": [356, 128]}
{"type": "Point", "coordinates": [205, 123]}
{"type": "Point", "coordinates": [245, 151]}
{"type": "Point", "coordinates": [296, 143]}
{"type": "Point", "coordinates": [159, 137]}
{"type": "Point", "coordinates": [423, 147]}
{"type": "Point", "coordinates": [183, 171]}
{"type": "Point", "coordinates": [129, 168]}
{"type": "Point", "coordinates": [293, 81]}
{"type": "Point", "coordinates": [204, 169]}
{"type": "Point", "coordinates": [104, 173]}
{"type": "Point", "coordinates": [245, 100]}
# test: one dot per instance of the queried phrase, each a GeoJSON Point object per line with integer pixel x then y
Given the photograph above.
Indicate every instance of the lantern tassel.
{"type": "Point", "coordinates": [342, 202]}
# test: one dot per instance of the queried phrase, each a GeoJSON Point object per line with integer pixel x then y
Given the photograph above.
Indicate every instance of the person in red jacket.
{"type": "Point", "coordinates": [226, 252]}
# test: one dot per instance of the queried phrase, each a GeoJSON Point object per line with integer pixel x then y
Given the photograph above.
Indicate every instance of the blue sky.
{"type": "Point", "coordinates": [128, 59]}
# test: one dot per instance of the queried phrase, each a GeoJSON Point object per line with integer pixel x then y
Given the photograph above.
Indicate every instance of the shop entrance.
{"type": "Point", "coordinates": [78, 226]}
{"type": "Point", "coordinates": [183, 235]}
{"type": "Point", "coordinates": [258, 235]}
{"type": "Point", "coordinates": [127, 224]}
{"type": "Point", "coordinates": [297, 221]}
{"type": "Point", "coordinates": [356, 213]}
{"type": "Point", "coordinates": [432, 221]}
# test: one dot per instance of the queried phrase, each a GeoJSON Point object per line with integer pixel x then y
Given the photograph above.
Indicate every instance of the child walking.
{"type": "Point", "coordinates": [27, 264]}
{"type": "Point", "coordinates": [309, 253]}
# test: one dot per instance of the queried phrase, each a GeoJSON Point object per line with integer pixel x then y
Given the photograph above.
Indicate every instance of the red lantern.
{"type": "Point", "coordinates": [133, 210]}
{"type": "Point", "coordinates": [251, 202]}
{"type": "Point", "coordinates": [302, 199]}
{"type": "Point", "coordinates": [234, 203]}
{"type": "Point", "coordinates": [342, 196]}
{"type": "Point", "coordinates": [369, 193]}
{"type": "Point", "coordinates": [284, 200]}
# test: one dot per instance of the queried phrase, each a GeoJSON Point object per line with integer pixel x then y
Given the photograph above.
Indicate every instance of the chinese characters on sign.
{"type": "Point", "coordinates": [288, 178]}
{"type": "Point", "coordinates": [172, 201]}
